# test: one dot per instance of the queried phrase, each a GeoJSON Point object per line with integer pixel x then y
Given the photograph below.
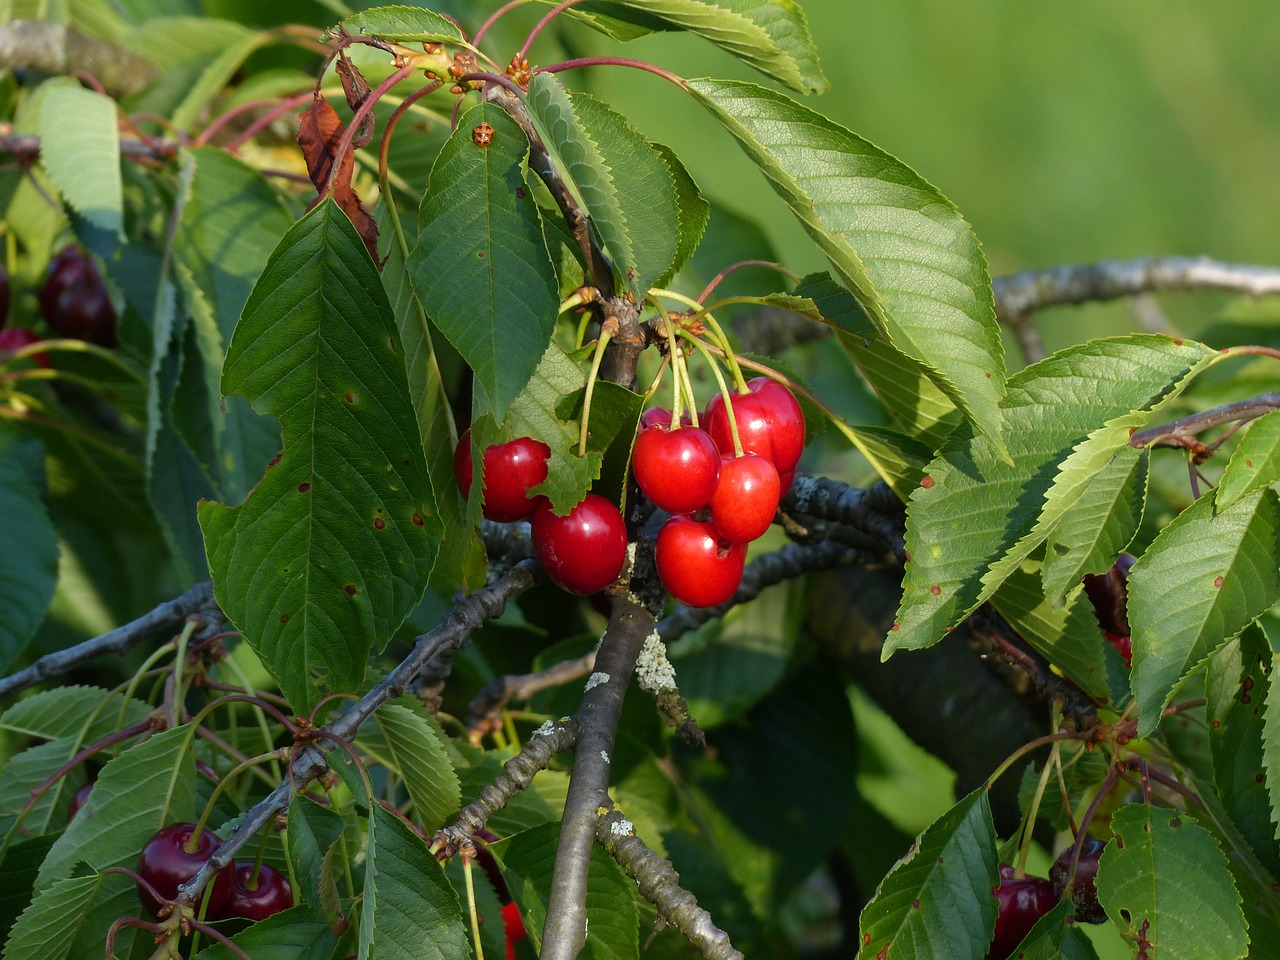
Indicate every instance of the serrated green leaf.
{"type": "Point", "coordinates": [27, 576]}
{"type": "Point", "coordinates": [899, 245]}
{"type": "Point", "coordinates": [481, 267]}
{"type": "Point", "coordinates": [973, 505]}
{"type": "Point", "coordinates": [1067, 636]}
{"type": "Point", "coordinates": [1254, 463]}
{"type": "Point", "coordinates": [615, 413]}
{"type": "Point", "coordinates": [1271, 745]}
{"type": "Point", "coordinates": [412, 747]}
{"type": "Point", "coordinates": [1166, 884]}
{"type": "Point", "coordinates": [147, 786]}
{"type": "Point", "coordinates": [694, 212]}
{"type": "Point", "coordinates": [300, 933]}
{"type": "Point", "coordinates": [80, 151]}
{"type": "Point", "coordinates": [69, 919]}
{"type": "Point", "coordinates": [30, 769]}
{"type": "Point", "coordinates": [1206, 576]}
{"type": "Point", "coordinates": [937, 900]}
{"type": "Point", "coordinates": [410, 910]}
{"type": "Point", "coordinates": [770, 35]}
{"type": "Point", "coordinates": [404, 24]}
{"type": "Point", "coordinates": [1044, 941]}
{"type": "Point", "coordinates": [1236, 690]}
{"type": "Point", "coordinates": [83, 712]}
{"type": "Point", "coordinates": [535, 413]}
{"type": "Point", "coordinates": [19, 865]}
{"type": "Point", "coordinates": [313, 830]}
{"type": "Point", "coordinates": [333, 548]}
{"type": "Point", "coordinates": [1102, 521]}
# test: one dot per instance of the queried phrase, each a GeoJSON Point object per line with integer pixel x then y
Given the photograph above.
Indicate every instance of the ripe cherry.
{"type": "Point", "coordinates": [1023, 901]}
{"type": "Point", "coordinates": [661, 417]}
{"type": "Point", "coordinates": [78, 799]}
{"type": "Point", "coordinates": [698, 566]}
{"type": "Point", "coordinates": [746, 498]}
{"type": "Point", "coordinates": [1084, 891]}
{"type": "Point", "coordinates": [74, 299]}
{"type": "Point", "coordinates": [512, 928]}
{"type": "Point", "coordinates": [1123, 644]}
{"type": "Point", "coordinates": [676, 469]}
{"type": "Point", "coordinates": [510, 470]}
{"type": "Point", "coordinates": [770, 423]}
{"type": "Point", "coordinates": [583, 551]}
{"type": "Point", "coordinates": [13, 339]}
{"type": "Point", "coordinates": [165, 863]}
{"type": "Point", "coordinates": [256, 898]}
{"type": "Point", "coordinates": [1109, 594]}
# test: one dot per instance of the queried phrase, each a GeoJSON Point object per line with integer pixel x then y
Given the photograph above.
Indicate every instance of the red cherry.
{"type": "Point", "coordinates": [269, 894]}
{"type": "Point", "coordinates": [1084, 891]}
{"type": "Point", "coordinates": [770, 423]}
{"type": "Point", "coordinates": [510, 470]}
{"type": "Point", "coordinates": [13, 339]}
{"type": "Point", "coordinates": [512, 928]}
{"type": "Point", "coordinates": [165, 863]}
{"type": "Point", "coordinates": [676, 469]}
{"type": "Point", "coordinates": [584, 551]}
{"type": "Point", "coordinates": [1124, 646]}
{"type": "Point", "coordinates": [74, 300]}
{"type": "Point", "coordinates": [1023, 901]}
{"type": "Point", "coordinates": [746, 497]}
{"type": "Point", "coordinates": [698, 566]}
{"type": "Point", "coordinates": [1109, 594]}
{"type": "Point", "coordinates": [78, 799]}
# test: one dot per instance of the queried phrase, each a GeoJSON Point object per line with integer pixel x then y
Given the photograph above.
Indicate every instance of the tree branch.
{"type": "Point", "coordinates": [26, 146]}
{"type": "Point", "coordinates": [198, 601]}
{"type": "Point", "coordinates": [660, 885]}
{"type": "Point", "coordinates": [1176, 434]}
{"type": "Point", "coordinates": [54, 49]}
{"type": "Point", "coordinates": [486, 707]}
{"type": "Point", "coordinates": [597, 719]}
{"type": "Point", "coordinates": [875, 514]}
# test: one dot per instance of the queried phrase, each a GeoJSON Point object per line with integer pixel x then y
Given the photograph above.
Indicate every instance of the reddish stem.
{"type": "Point", "coordinates": [533, 34]}
{"type": "Point", "coordinates": [219, 122]}
{"type": "Point", "coordinates": [580, 62]}
{"type": "Point", "coordinates": [140, 727]}
{"type": "Point", "coordinates": [369, 103]}
{"type": "Point", "coordinates": [384, 148]}
{"type": "Point", "coordinates": [715, 281]}
{"type": "Point", "coordinates": [495, 17]}
{"type": "Point", "coordinates": [266, 120]}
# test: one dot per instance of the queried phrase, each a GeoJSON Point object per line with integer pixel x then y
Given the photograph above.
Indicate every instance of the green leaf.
{"type": "Point", "coordinates": [1271, 745]}
{"type": "Point", "coordinates": [147, 786]}
{"type": "Point", "coordinates": [937, 900]}
{"type": "Point", "coordinates": [300, 933]}
{"type": "Point", "coordinates": [69, 919]}
{"type": "Point", "coordinates": [333, 548]}
{"type": "Point", "coordinates": [410, 910]}
{"type": "Point", "coordinates": [535, 413]}
{"type": "Point", "coordinates": [481, 267]}
{"type": "Point", "coordinates": [27, 576]}
{"type": "Point", "coordinates": [1206, 576]}
{"type": "Point", "coordinates": [1100, 523]}
{"type": "Point", "coordinates": [973, 505]}
{"type": "Point", "coordinates": [1047, 940]}
{"type": "Point", "coordinates": [1254, 463]}
{"type": "Point", "coordinates": [214, 77]}
{"type": "Point", "coordinates": [79, 712]}
{"type": "Point", "coordinates": [899, 245]}
{"type": "Point", "coordinates": [1236, 690]}
{"type": "Point", "coordinates": [313, 830]}
{"type": "Point", "coordinates": [1166, 884]}
{"type": "Point", "coordinates": [694, 211]}
{"type": "Point", "coordinates": [19, 865]}
{"type": "Point", "coordinates": [30, 769]}
{"type": "Point", "coordinates": [80, 150]}
{"type": "Point", "coordinates": [404, 24]}
{"type": "Point", "coordinates": [412, 746]}
{"type": "Point", "coordinates": [770, 35]}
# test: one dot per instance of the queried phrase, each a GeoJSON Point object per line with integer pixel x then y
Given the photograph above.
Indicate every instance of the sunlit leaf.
{"type": "Point", "coordinates": [80, 150]}
{"type": "Point", "coordinates": [1254, 463]}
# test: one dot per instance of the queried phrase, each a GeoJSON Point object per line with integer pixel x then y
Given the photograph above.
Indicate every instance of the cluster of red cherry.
{"type": "Point", "coordinates": [721, 494]}
{"type": "Point", "coordinates": [74, 302]}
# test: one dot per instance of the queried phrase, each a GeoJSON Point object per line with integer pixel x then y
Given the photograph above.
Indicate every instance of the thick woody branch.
{"type": "Point", "coordinates": [467, 616]}
{"type": "Point", "coordinates": [51, 48]}
{"type": "Point", "coordinates": [26, 146]}
{"type": "Point", "coordinates": [875, 515]}
{"type": "Point", "coordinates": [659, 883]}
{"type": "Point", "coordinates": [198, 601]}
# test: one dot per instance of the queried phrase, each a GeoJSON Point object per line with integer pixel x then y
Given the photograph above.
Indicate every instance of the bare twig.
{"type": "Point", "coordinates": [168, 615]}
{"type": "Point", "coordinates": [487, 706]}
{"type": "Point", "coordinates": [1176, 434]}
{"type": "Point", "coordinates": [26, 146]}
{"type": "Point", "coordinates": [659, 883]}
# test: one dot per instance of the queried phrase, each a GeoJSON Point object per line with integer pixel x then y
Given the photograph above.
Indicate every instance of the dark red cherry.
{"type": "Point", "coordinates": [78, 799]}
{"type": "Point", "coordinates": [256, 898]}
{"type": "Point", "coordinates": [13, 339]}
{"type": "Point", "coordinates": [165, 863]}
{"type": "Point", "coordinates": [1022, 901]}
{"type": "Point", "coordinates": [1123, 644]}
{"type": "Point", "coordinates": [74, 299]}
{"type": "Point", "coordinates": [698, 566]}
{"type": "Point", "coordinates": [746, 498]}
{"type": "Point", "coordinates": [1109, 594]}
{"type": "Point", "coordinates": [661, 417]}
{"type": "Point", "coordinates": [676, 469]}
{"type": "Point", "coordinates": [1084, 891]}
{"type": "Point", "coordinates": [583, 551]}
{"type": "Point", "coordinates": [510, 470]}
{"type": "Point", "coordinates": [770, 423]}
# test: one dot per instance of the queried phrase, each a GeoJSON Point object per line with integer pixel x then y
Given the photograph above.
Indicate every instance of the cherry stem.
{"type": "Point", "coordinates": [767, 264]}
{"type": "Point", "coordinates": [112, 738]}
{"type": "Point", "coordinates": [724, 391]}
{"type": "Point", "coordinates": [606, 335]}
{"type": "Point", "coordinates": [1034, 809]}
{"type": "Point", "coordinates": [471, 905]}
{"type": "Point", "coordinates": [581, 62]}
{"type": "Point", "coordinates": [193, 841]}
{"type": "Point", "coordinates": [252, 882]}
{"type": "Point", "coordinates": [264, 121]}
{"type": "Point", "coordinates": [179, 661]}
{"type": "Point", "coordinates": [219, 122]}
{"type": "Point", "coordinates": [1027, 748]}
{"type": "Point", "coordinates": [494, 17]}
{"type": "Point", "coordinates": [349, 135]}
{"type": "Point", "coordinates": [717, 332]}
{"type": "Point", "coordinates": [384, 151]}
{"type": "Point", "coordinates": [533, 34]}
{"type": "Point", "coordinates": [677, 361]}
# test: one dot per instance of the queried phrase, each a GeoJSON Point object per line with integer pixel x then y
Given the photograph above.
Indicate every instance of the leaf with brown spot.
{"type": "Point", "coordinates": [320, 130]}
{"type": "Point", "coordinates": [356, 87]}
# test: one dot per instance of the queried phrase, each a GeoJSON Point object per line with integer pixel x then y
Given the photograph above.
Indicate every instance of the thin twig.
{"type": "Point", "coordinates": [486, 707]}
{"type": "Point", "coordinates": [1176, 433]}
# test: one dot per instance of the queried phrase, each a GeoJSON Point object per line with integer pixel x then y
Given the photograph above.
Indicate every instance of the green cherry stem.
{"type": "Point", "coordinates": [471, 906]}
{"type": "Point", "coordinates": [724, 390]}
{"type": "Point", "coordinates": [1027, 748]}
{"type": "Point", "coordinates": [605, 336]}
{"type": "Point", "coordinates": [767, 264]}
{"type": "Point", "coordinates": [679, 372]}
{"type": "Point", "coordinates": [717, 332]}
{"type": "Point", "coordinates": [179, 660]}
{"type": "Point", "coordinates": [1034, 809]}
{"type": "Point", "coordinates": [192, 843]}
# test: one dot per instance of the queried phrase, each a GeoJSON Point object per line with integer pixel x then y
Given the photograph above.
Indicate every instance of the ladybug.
{"type": "Point", "coordinates": [482, 135]}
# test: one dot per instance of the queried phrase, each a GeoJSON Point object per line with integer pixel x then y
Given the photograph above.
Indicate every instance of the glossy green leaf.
{"type": "Point", "coordinates": [403, 24]}
{"type": "Point", "coordinates": [1237, 685]}
{"type": "Point", "coordinates": [973, 505]}
{"type": "Point", "coordinates": [27, 576]}
{"type": "Point", "coordinates": [85, 713]}
{"type": "Point", "coordinates": [899, 245]}
{"type": "Point", "coordinates": [145, 787]}
{"type": "Point", "coordinates": [937, 901]}
{"type": "Point", "coordinates": [1165, 883]}
{"type": "Point", "coordinates": [481, 267]}
{"type": "Point", "coordinates": [300, 933]}
{"type": "Point", "coordinates": [333, 548]}
{"type": "Point", "coordinates": [770, 35]}
{"type": "Point", "coordinates": [694, 212]}
{"type": "Point", "coordinates": [413, 747]}
{"type": "Point", "coordinates": [1206, 576]}
{"type": "Point", "coordinates": [1052, 938]}
{"type": "Point", "coordinates": [410, 910]}
{"type": "Point", "coordinates": [1271, 745]}
{"type": "Point", "coordinates": [1254, 463]}
{"type": "Point", "coordinates": [69, 920]}
{"type": "Point", "coordinates": [30, 769]}
{"type": "Point", "coordinates": [19, 865]}
{"type": "Point", "coordinates": [313, 830]}
{"type": "Point", "coordinates": [1101, 522]}
{"type": "Point", "coordinates": [80, 150]}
